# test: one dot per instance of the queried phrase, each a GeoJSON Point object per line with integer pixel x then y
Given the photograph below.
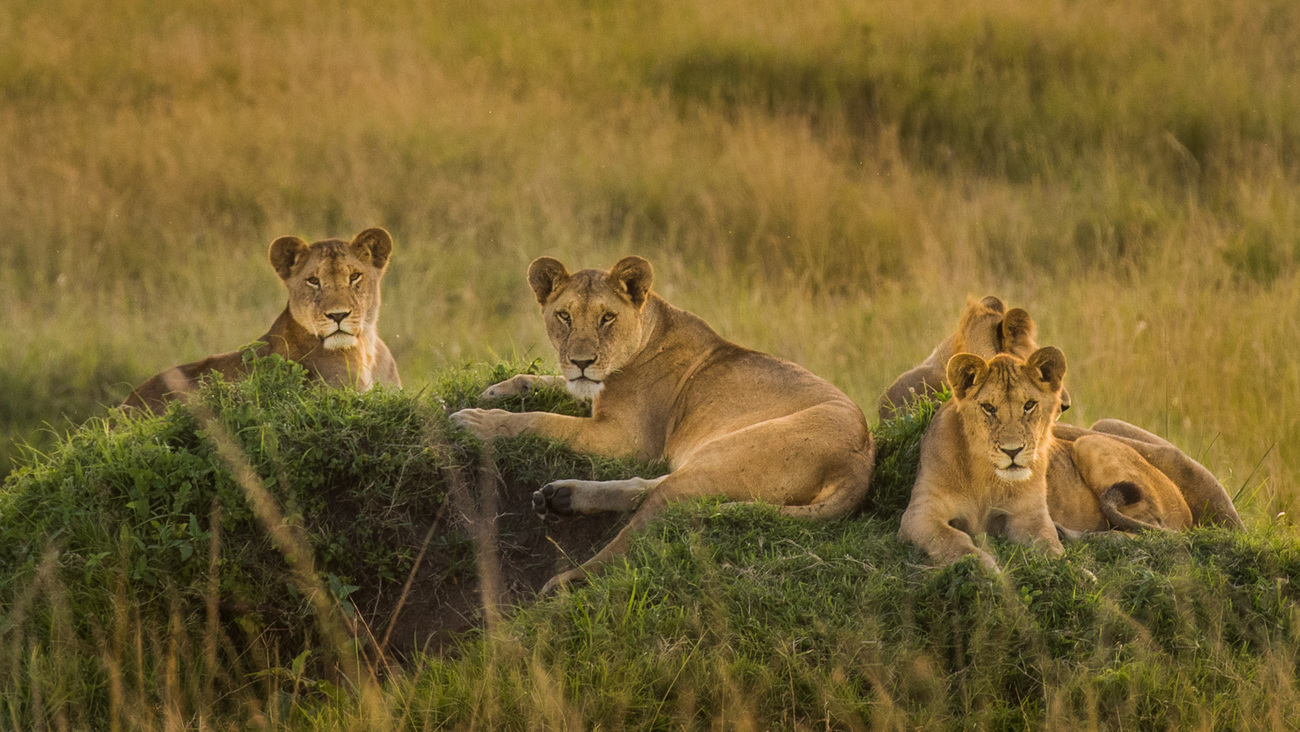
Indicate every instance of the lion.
{"type": "Point", "coordinates": [993, 460]}
{"type": "Point", "coordinates": [983, 466]}
{"type": "Point", "coordinates": [730, 421]}
{"type": "Point", "coordinates": [328, 325]}
{"type": "Point", "coordinates": [987, 329]}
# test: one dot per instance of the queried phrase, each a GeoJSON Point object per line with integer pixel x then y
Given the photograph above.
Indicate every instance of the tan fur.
{"type": "Point", "coordinates": [730, 421]}
{"type": "Point", "coordinates": [984, 458]}
{"type": "Point", "coordinates": [986, 328]}
{"type": "Point", "coordinates": [328, 277]}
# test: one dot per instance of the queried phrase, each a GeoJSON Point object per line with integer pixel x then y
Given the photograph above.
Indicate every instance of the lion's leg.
{"type": "Point", "coordinates": [584, 434]}
{"type": "Point", "coordinates": [933, 530]}
{"type": "Point", "coordinates": [521, 385]}
{"type": "Point", "coordinates": [1030, 523]}
{"type": "Point", "coordinates": [778, 461]}
{"type": "Point", "coordinates": [1204, 495]}
{"type": "Point", "coordinates": [1132, 494]}
{"type": "Point", "coordinates": [565, 497]}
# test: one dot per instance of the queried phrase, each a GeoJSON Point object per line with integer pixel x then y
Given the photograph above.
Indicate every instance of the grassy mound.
{"type": "Point", "coordinates": [281, 554]}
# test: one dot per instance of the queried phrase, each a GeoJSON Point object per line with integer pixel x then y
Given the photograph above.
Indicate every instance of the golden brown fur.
{"type": "Point", "coordinates": [328, 325]}
{"type": "Point", "coordinates": [995, 460]}
{"type": "Point", "coordinates": [984, 458]}
{"type": "Point", "coordinates": [730, 421]}
{"type": "Point", "coordinates": [986, 329]}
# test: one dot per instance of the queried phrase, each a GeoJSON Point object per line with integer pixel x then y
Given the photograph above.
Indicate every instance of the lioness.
{"type": "Point", "coordinates": [730, 421]}
{"type": "Point", "coordinates": [328, 325]}
{"type": "Point", "coordinates": [987, 329]}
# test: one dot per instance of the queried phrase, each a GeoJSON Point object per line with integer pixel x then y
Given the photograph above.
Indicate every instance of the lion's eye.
{"type": "Point", "coordinates": [607, 318]}
{"type": "Point", "coordinates": [313, 281]}
{"type": "Point", "coordinates": [564, 318]}
{"type": "Point", "coordinates": [989, 409]}
{"type": "Point", "coordinates": [356, 277]}
{"type": "Point", "coordinates": [1029, 406]}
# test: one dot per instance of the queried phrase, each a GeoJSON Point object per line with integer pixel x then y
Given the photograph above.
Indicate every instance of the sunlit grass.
{"type": "Point", "coordinates": [823, 180]}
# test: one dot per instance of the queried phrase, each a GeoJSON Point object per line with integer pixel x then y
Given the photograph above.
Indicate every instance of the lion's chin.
{"type": "Point", "coordinates": [584, 388]}
{"type": "Point", "coordinates": [338, 341]}
{"type": "Point", "coordinates": [1016, 474]}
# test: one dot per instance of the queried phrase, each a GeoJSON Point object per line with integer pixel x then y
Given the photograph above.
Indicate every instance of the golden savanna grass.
{"type": "Point", "coordinates": [826, 180]}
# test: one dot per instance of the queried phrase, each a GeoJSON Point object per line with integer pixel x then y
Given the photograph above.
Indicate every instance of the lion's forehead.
{"type": "Point", "coordinates": [587, 296]}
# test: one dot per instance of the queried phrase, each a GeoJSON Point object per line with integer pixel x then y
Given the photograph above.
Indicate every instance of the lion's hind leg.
{"type": "Point", "coordinates": [1201, 491]}
{"type": "Point", "coordinates": [1131, 493]}
{"type": "Point", "coordinates": [780, 461]}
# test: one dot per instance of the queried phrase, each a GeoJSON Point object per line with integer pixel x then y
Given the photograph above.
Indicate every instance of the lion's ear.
{"type": "Point", "coordinates": [285, 253]}
{"type": "Point", "coordinates": [1048, 365]}
{"type": "Point", "coordinates": [1018, 331]}
{"type": "Point", "coordinates": [964, 371]}
{"type": "Point", "coordinates": [375, 244]}
{"type": "Point", "coordinates": [993, 303]}
{"type": "Point", "coordinates": [545, 276]}
{"type": "Point", "coordinates": [633, 275]}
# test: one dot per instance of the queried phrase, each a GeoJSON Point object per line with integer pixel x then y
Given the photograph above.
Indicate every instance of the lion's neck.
{"type": "Point", "coordinates": [336, 367]}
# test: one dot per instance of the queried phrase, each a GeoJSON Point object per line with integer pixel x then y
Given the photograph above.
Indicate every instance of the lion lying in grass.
{"type": "Point", "coordinates": [1112, 476]}
{"type": "Point", "coordinates": [328, 325]}
{"type": "Point", "coordinates": [984, 457]}
{"type": "Point", "coordinates": [731, 422]}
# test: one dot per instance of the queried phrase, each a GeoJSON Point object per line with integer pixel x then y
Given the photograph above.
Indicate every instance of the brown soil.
{"type": "Point", "coordinates": [445, 599]}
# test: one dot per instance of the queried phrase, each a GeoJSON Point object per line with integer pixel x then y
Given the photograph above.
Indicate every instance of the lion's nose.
{"type": "Point", "coordinates": [338, 317]}
{"type": "Point", "coordinates": [582, 363]}
{"type": "Point", "coordinates": [1013, 452]}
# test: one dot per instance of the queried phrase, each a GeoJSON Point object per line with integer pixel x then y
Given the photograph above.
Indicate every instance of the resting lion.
{"type": "Point", "coordinates": [328, 325]}
{"type": "Point", "coordinates": [994, 460]}
{"type": "Point", "coordinates": [730, 421]}
{"type": "Point", "coordinates": [984, 457]}
{"type": "Point", "coordinates": [987, 328]}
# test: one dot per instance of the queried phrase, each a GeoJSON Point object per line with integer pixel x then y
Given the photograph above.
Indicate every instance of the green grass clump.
{"type": "Point", "coordinates": [735, 615]}
{"type": "Point", "coordinates": [142, 582]}
{"type": "Point", "coordinates": [137, 525]}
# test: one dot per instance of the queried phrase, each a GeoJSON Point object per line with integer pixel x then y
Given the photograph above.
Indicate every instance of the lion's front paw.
{"type": "Point", "coordinates": [484, 423]}
{"type": "Point", "coordinates": [519, 385]}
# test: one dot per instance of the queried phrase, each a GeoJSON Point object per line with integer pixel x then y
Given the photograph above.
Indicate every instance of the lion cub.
{"type": "Point", "coordinates": [730, 421]}
{"type": "Point", "coordinates": [328, 325]}
{"type": "Point", "coordinates": [984, 457]}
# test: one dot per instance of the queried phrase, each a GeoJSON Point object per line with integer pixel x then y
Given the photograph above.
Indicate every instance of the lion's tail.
{"type": "Point", "coordinates": [845, 496]}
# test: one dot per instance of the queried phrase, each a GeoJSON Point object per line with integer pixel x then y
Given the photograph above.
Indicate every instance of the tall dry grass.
{"type": "Point", "coordinates": [825, 180]}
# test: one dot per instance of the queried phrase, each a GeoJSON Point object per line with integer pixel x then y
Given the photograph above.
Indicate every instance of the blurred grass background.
{"type": "Point", "coordinates": [826, 180]}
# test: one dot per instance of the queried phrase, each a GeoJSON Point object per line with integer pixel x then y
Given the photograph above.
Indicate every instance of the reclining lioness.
{"type": "Point", "coordinates": [986, 329]}
{"type": "Point", "coordinates": [730, 421]}
{"type": "Point", "coordinates": [328, 325]}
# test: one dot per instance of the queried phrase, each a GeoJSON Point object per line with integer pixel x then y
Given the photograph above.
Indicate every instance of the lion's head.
{"type": "Point", "coordinates": [593, 317]}
{"type": "Point", "coordinates": [333, 284]}
{"type": "Point", "coordinates": [1008, 405]}
{"type": "Point", "coordinates": [987, 328]}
